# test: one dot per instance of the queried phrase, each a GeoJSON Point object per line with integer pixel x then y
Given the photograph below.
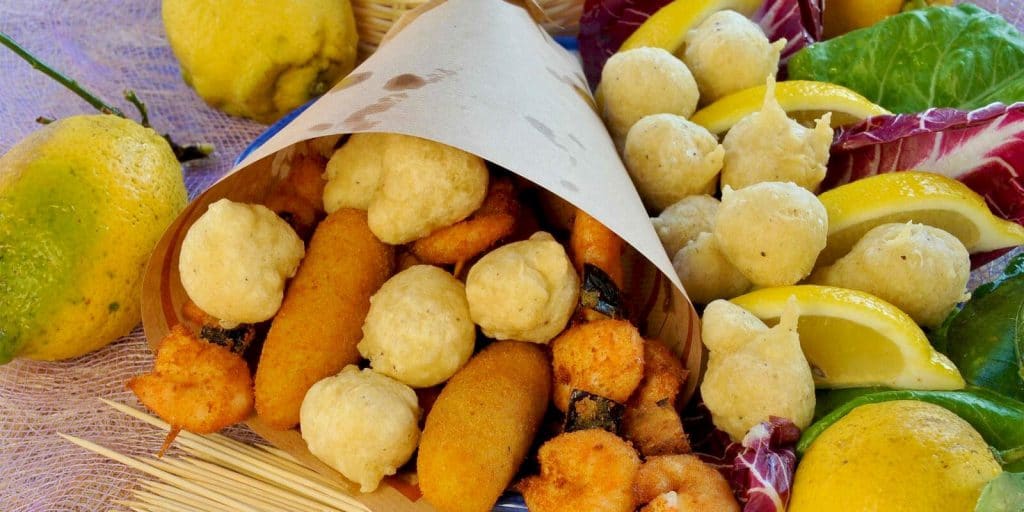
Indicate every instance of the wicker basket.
{"type": "Point", "coordinates": [375, 17]}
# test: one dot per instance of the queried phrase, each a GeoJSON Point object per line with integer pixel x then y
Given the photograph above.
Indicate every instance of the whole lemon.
{"type": "Point", "coordinates": [259, 58]}
{"type": "Point", "coordinates": [842, 16]}
{"type": "Point", "coordinates": [899, 456]}
{"type": "Point", "coordinates": [83, 202]}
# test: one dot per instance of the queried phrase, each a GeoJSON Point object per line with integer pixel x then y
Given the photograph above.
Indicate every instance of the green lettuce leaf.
{"type": "Point", "coordinates": [963, 57]}
{"type": "Point", "coordinates": [985, 338]}
{"type": "Point", "coordinates": [1004, 494]}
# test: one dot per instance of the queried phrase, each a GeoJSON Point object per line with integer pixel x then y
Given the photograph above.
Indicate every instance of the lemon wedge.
{"type": "Point", "coordinates": [667, 27]}
{"type": "Point", "coordinates": [926, 198]}
{"type": "Point", "coordinates": [854, 339]}
{"type": "Point", "coordinates": [803, 100]}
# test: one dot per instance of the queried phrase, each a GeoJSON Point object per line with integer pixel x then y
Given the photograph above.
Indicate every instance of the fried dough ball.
{"type": "Point", "coordinates": [418, 329]}
{"type": "Point", "coordinates": [644, 81]}
{"type": "Point", "coordinates": [362, 424]}
{"type": "Point", "coordinates": [603, 357]}
{"type": "Point", "coordinates": [523, 291]}
{"type": "Point", "coordinates": [684, 220]}
{"type": "Point", "coordinates": [235, 259]}
{"type": "Point", "coordinates": [670, 158]}
{"type": "Point", "coordinates": [754, 372]}
{"type": "Point", "coordinates": [728, 52]}
{"type": "Point", "coordinates": [591, 470]}
{"type": "Point", "coordinates": [705, 272]}
{"type": "Point", "coordinates": [697, 486]}
{"type": "Point", "coordinates": [354, 171]}
{"type": "Point", "coordinates": [919, 269]}
{"type": "Point", "coordinates": [769, 146]}
{"type": "Point", "coordinates": [425, 186]}
{"type": "Point", "coordinates": [651, 421]}
{"type": "Point", "coordinates": [772, 232]}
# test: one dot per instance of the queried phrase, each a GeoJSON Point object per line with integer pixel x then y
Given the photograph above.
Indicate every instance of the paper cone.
{"type": "Point", "coordinates": [482, 76]}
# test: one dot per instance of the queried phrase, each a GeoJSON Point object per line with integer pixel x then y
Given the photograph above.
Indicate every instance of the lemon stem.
{"type": "Point", "coordinates": [62, 79]}
{"type": "Point", "coordinates": [183, 153]}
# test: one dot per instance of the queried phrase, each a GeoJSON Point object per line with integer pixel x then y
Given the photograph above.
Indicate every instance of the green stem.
{"type": "Point", "coordinates": [74, 86]}
{"type": "Point", "coordinates": [184, 153]}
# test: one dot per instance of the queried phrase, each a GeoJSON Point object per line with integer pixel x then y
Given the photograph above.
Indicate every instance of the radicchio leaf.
{"type": "Point", "coordinates": [983, 148]}
{"type": "Point", "coordinates": [798, 21]}
{"type": "Point", "coordinates": [605, 25]}
{"type": "Point", "coordinates": [760, 469]}
{"type": "Point", "coordinates": [766, 466]}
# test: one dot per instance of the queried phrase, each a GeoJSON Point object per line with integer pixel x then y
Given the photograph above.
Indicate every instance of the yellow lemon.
{"type": "Point", "coordinates": [854, 339]}
{"type": "Point", "coordinates": [667, 27]}
{"type": "Point", "coordinates": [926, 198]}
{"type": "Point", "coordinates": [804, 100]}
{"type": "Point", "coordinates": [842, 16]}
{"type": "Point", "coordinates": [261, 59]}
{"type": "Point", "coordinates": [900, 456]}
{"type": "Point", "coordinates": [83, 201]}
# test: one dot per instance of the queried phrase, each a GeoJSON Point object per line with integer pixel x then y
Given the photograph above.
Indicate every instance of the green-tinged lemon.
{"type": "Point", "coordinates": [667, 27]}
{"type": "Point", "coordinates": [261, 59]}
{"type": "Point", "coordinates": [83, 201]}
{"type": "Point", "coordinates": [804, 100]}
{"type": "Point", "coordinates": [925, 198]}
{"type": "Point", "coordinates": [854, 339]}
{"type": "Point", "coordinates": [900, 456]}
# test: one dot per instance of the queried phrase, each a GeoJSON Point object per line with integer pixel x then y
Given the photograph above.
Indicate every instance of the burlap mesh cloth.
{"type": "Point", "coordinates": [110, 46]}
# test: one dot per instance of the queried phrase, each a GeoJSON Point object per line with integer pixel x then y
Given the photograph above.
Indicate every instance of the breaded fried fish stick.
{"type": "Point", "coordinates": [482, 425]}
{"type": "Point", "coordinates": [315, 333]}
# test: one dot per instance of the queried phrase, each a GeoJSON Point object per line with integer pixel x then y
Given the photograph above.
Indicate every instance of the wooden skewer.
{"type": "Point", "coordinates": [297, 479]}
{"type": "Point", "coordinates": [261, 462]}
{"type": "Point", "coordinates": [166, 503]}
{"type": "Point", "coordinates": [170, 491]}
{"type": "Point", "coordinates": [134, 505]}
{"type": "Point", "coordinates": [216, 485]}
{"type": "Point", "coordinates": [151, 470]}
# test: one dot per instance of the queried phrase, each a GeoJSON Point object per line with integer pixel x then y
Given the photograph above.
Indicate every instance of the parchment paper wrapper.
{"type": "Point", "coordinates": [479, 75]}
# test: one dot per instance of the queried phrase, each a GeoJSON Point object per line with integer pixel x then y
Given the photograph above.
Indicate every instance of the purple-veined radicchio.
{"type": "Point", "coordinates": [606, 24]}
{"type": "Point", "coordinates": [798, 21]}
{"type": "Point", "coordinates": [760, 469]}
{"type": "Point", "coordinates": [983, 148]}
{"type": "Point", "coordinates": [766, 465]}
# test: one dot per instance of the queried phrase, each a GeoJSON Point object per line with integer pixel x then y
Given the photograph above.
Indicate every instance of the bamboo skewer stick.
{"type": "Point", "coordinates": [150, 469]}
{"type": "Point", "coordinates": [221, 473]}
{"type": "Point", "coordinates": [170, 491]}
{"type": "Point", "coordinates": [225, 487]}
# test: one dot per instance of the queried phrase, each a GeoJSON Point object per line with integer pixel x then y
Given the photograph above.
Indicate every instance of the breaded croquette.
{"type": "Point", "coordinates": [315, 333]}
{"type": "Point", "coordinates": [481, 426]}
